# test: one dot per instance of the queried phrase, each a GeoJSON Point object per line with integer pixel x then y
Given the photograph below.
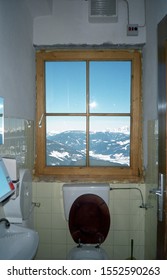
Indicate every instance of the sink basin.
{"type": "Point", "coordinates": [17, 243]}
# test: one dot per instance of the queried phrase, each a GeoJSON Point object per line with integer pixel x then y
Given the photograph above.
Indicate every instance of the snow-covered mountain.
{"type": "Point", "coordinates": [106, 148]}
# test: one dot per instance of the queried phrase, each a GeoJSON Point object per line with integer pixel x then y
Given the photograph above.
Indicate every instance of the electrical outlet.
{"type": "Point", "coordinates": [132, 30]}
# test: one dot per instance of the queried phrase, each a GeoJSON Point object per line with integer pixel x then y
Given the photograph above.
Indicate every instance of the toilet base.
{"type": "Point", "coordinates": [87, 252]}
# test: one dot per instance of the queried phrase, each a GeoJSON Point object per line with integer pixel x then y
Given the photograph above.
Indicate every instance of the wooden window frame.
{"type": "Point", "coordinates": [133, 173]}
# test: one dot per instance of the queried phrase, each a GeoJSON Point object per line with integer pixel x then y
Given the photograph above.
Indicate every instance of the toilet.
{"type": "Point", "coordinates": [86, 210]}
{"type": "Point", "coordinates": [20, 210]}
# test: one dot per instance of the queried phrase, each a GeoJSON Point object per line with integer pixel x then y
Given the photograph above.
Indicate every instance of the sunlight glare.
{"type": "Point", "coordinates": [93, 104]}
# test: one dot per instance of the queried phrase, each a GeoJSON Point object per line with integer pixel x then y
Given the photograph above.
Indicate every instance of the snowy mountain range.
{"type": "Point", "coordinates": [108, 148]}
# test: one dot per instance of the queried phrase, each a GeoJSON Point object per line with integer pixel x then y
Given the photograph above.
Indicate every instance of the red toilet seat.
{"type": "Point", "coordinates": [89, 219]}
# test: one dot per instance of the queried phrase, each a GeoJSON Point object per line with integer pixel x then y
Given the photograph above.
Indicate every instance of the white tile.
{"type": "Point", "coordinates": [134, 205]}
{"type": "Point", "coordinates": [135, 193]}
{"type": "Point", "coordinates": [121, 252]}
{"type": "Point", "coordinates": [57, 190]}
{"type": "Point", "coordinates": [45, 205]}
{"type": "Point", "coordinates": [44, 236]}
{"type": "Point", "coordinates": [59, 252]}
{"type": "Point", "coordinates": [43, 221]}
{"type": "Point", "coordinates": [121, 238]}
{"type": "Point", "coordinates": [121, 206]}
{"type": "Point", "coordinates": [44, 252]}
{"type": "Point", "coordinates": [137, 222]}
{"type": "Point", "coordinates": [59, 236]}
{"type": "Point", "coordinates": [121, 222]}
{"type": "Point", "coordinates": [137, 236]}
{"type": "Point", "coordinates": [58, 221]}
{"type": "Point", "coordinates": [53, 228]}
{"type": "Point", "coordinates": [111, 206]}
{"type": "Point", "coordinates": [44, 190]}
{"type": "Point", "coordinates": [57, 205]}
{"type": "Point", "coordinates": [120, 194]}
{"type": "Point", "coordinates": [139, 252]}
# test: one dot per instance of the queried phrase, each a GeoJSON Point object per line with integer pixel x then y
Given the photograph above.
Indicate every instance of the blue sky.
{"type": "Point", "coordinates": [109, 88]}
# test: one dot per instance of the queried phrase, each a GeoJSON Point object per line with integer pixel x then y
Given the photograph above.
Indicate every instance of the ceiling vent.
{"type": "Point", "coordinates": [103, 11]}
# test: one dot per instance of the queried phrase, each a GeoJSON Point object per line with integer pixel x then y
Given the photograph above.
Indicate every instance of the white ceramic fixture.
{"type": "Point", "coordinates": [87, 252]}
{"type": "Point", "coordinates": [86, 210]}
{"type": "Point", "coordinates": [20, 210]}
{"type": "Point", "coordinates": [72, 191]}
{"type": "Point", "coordinates": [17, 243]}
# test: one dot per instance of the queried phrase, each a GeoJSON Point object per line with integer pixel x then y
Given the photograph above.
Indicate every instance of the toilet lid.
{"type": "Point", "coordinates": [89, 219]}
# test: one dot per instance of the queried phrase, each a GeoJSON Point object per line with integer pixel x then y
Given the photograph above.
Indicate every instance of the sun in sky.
{"type": "Point", "coordinates": [67, 84]}
{"type": "Point", "coordinates": [93, 104]}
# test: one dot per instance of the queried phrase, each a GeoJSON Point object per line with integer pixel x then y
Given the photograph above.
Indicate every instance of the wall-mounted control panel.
{"type": "Point", "coordinates": [132, 30]}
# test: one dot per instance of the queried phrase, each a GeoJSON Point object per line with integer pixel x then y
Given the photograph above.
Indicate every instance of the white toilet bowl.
{"type": "Point", "coordinates": [87, 252]}
{"type": "Point", "coordinates": [88, 217]}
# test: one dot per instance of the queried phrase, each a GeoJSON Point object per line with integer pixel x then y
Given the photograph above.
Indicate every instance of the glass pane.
{"type": "Point", "coordinates": [65, 84]}
{"type": "Point", "coordinates": [110, 87]}
{"type": "Point", "coordinates": [65, 141]}
{"type": "Point", "coordinates": [109, 141]}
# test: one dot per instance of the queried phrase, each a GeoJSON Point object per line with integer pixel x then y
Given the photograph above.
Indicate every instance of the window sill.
{"type": "Point", "coordinates": [78, 179]}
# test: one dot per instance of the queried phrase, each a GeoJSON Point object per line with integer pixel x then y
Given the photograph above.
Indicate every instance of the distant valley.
{"type": "Point", "coordinates": [68, 148]}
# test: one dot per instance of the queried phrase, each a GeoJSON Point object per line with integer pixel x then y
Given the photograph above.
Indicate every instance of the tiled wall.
{"type": "Point", "coordinates": [127, 222]}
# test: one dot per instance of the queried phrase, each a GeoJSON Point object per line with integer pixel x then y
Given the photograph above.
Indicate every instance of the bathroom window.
{"type": "Point", "coordinates": [89, 115]}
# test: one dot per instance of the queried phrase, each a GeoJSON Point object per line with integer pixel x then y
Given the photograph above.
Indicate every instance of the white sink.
{"type": "Point", "coordinates": [17, 243]}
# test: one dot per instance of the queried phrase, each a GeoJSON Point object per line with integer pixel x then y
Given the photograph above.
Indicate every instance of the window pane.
{"type": "Point", "coordinates": [66, 141]}
{"type": "Point", "coordinates": [109, 141]}
{"type": "Point", "coordinates": [65, 87]}
{"type": "Point", "coordinates": [110, 87]}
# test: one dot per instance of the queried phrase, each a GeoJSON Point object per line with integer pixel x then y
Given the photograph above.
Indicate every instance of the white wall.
{"type": "Point", "coordinates": [17, 61]}
{"type": "Point", "coordinates": [69, 24]}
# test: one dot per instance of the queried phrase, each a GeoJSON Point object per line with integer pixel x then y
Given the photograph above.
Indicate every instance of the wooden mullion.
{"type": "Point", "coordinates": [133, 173]}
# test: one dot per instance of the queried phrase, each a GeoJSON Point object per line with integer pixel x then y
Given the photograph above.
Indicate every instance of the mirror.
{"type": "Point", "coordinates": [1, 120]}
{"type": "Point", "coordinates": [6, 187]}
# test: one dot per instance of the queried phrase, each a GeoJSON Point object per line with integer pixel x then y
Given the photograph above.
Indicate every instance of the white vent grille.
{"type": "Point", "coordinates": [103, 11]}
